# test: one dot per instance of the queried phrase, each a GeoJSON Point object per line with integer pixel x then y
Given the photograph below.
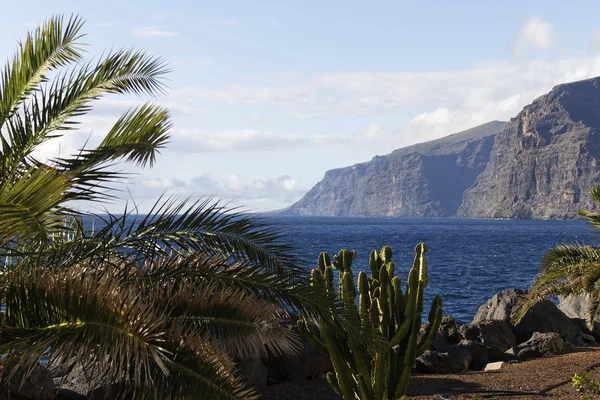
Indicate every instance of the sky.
{"type": "Point", "coordinates": [268, 95]}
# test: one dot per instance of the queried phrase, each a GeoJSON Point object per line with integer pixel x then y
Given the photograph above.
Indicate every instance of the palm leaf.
{"type": "Point", "coordinates": [53, 44]}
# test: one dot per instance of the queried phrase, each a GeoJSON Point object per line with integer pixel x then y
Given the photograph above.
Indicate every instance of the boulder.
{"type": "Point", "coordinates": [73, 377]}
{"type": "Point", "coordinates": [499, 306]}
{"type": "Point", "coordinates": [449, 330]}
{"type": "Point", "coordinates": [540, 344]}
{"type": "Point", "coordinates": [309, 363]}
{"type": "Point", "coordinates": [253, 371]}
{"type": "Point", "coordinates": [543, 317]}
{"type": "Point", "coordinates": [440, 344]}
{"type": "Point", "coordinates": [574, 306]}
{"type": "Point", "coordinates": [38, 385]}
{"type": "Point", "coordinates": [495, 335]}
{"type": "Point", "coordinates": [456, 359]}
{"type": "Point", "coordinates": [478, 352]}
{"type": "Point", "coordinates": [462, 358]}
{"type": "Point", "coordinates": [582, 324]}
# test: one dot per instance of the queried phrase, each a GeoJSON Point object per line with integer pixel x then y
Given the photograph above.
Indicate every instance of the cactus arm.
{"type": "Point", "coordinates": [386, 254]}
{"type": "Point", "coordinates": [333, 383]}
{"type": "Point", "coordinates": [392, 370]}
{"type": "Point", "coordinates": [324, 261]}
{"type": "Point", "coordinates": [409, 359]}
{"type": "Point", "coordinates": [379, 374]}
{"type": "Point", "coordinates": [364, 301]}
{"type": "Point", "coordinates": [312, 337]}
{"type": "Point", "coordinates": [398, 299]}
{"type": "Point", "coordinates": [352, 317]}
{"type": "Point", "coordinates": [374, 263]}
{"type": "Point", "coordinates": [345, 379]}
{"type": "Point", "coordinates": [328, 279]}
{"type": "Point", "coordinates": [384, 303]}
{"type": "Point", "coordinates": [435, 318]}
{"type": "Point", "coordinates": [410, 309]}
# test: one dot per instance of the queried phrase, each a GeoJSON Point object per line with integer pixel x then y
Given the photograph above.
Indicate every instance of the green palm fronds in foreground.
{"type": "Point", "coordinates": [161, 303]}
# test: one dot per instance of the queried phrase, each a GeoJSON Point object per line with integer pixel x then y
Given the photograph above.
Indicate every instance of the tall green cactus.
{"type": "Point", "coordinates": [374, 354]}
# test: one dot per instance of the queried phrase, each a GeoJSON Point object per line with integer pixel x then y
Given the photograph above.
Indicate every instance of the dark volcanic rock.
{"type": "Point", "coordinates": [449, 330]}
{"type": "Point", "coordinates": [253, 372]}
{"type": "Point", "coordinates": [539, 345]}
{"type": "Point", "coordinates": [37, 386]}
{"type": "Point", "coordinates": [427, 179]}
{"type": "Point", "coordinates": [479, 354]}
{"type": "Point", "coordinates": [307, 364]}
{"type": "Point", "coordinates": [545, 161]}
{"type": "Point", "coordinates": [456, 359]}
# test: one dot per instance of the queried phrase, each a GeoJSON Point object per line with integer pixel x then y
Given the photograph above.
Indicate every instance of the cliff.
{"type": "Point", "coordinates": [423, 180]}
{"type": "Point", "coordinates": [545, 161]}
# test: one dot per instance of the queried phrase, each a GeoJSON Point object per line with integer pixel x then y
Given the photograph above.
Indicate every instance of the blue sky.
{"type": "Point", "coordinates": [268, 95]}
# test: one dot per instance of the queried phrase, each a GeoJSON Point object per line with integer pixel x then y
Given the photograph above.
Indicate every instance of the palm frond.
{"type": "Point", "coordinates": [78, 314]}
{"type": "Point", "coordinates": [244, 325]}
{"type": "Point", "coordinates": [199, 370]}
{"type": "Point", "coordinates": [53, 44]}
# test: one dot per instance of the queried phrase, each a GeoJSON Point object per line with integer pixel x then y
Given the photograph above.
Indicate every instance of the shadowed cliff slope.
{"type": "Point", "coordinates": [545, 161]}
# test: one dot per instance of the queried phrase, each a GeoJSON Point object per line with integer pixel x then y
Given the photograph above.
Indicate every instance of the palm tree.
{"type": "Point", "coordinates": [569, 269]}
{"type": "Point", "coordinates": [160, 303]}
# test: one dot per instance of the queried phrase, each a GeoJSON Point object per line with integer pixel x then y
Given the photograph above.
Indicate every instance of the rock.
{"type": "Point", "coordinates": [495, 366]}
{"type": "Point", "coordinates": [495, 335]}
{"type": "Point", "coordinates": [105, 392]}
{"type": "Point", "coordinates": [76, 378]}
{"type": "Point", "coordinates": [582, 324]}
{"type": "Point", "coordinates": [588, 339]}
{"type": "Point", "coordinates": [309, 363]}
{"type": "Point", "coordinates": [539, 345]}
{"type": "Point", "coordinates": [544, 163]}
{"type": "Point", "coordinates": [440, 344]}
{"type": "Point", "coordinates": [499, 306]}
{"type": "Point", "coordinates": [66, 394]}
{"type": "Point", "coordinates": [568, 347]}
{"type": "Point", "coordinates": [254, 372]}
{"type": "Point", "coordinates": [574, 306]}
{"type": "Point", "coordinates": [433, 362]}
{"type": "Point", "coordinates": [478, 352]}
{"type": "Point", "coordinates": [543, 317]}
{"type": "Point", "coordinates": [412, 181]}
{"type": "Point", "coordinates": [462, 358]}
{"type": "Point", "coordinates": [37, 386]}
{"type": "Point", "coordinates": [449, 330]}
{"type": "Point", "coordinates": [469, 332]}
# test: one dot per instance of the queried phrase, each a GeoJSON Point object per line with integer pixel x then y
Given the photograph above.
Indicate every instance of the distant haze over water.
{"type": "Point", "coordinates": [469, 260]}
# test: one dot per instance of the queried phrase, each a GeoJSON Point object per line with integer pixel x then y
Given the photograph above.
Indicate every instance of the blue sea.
{"type": "Point", "coordinates": [469, 259]}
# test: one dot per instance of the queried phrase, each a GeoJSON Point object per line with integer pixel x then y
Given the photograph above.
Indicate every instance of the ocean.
{"type": "Point", "coordinates": [469, 260]}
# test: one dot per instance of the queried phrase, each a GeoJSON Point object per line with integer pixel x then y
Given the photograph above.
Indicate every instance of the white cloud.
{"type": "Point", "coordinates": [535, 33]}
{"type": "Point", "coordinates": [438, 103]}
{"type": "Point", "coordinates": [226, 22]}
{"type": "Point", "coordinates": [161, 15]}
{"type": "Point", "coordinates": [153, 32]}
{"type": "Point", "coordinates": [258, 194]}
{"type": "Point", "coordinates": [196, 141]}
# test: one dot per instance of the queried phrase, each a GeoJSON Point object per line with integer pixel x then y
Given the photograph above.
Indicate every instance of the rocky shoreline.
{"type": "Point", "coordinates": [489, 340]}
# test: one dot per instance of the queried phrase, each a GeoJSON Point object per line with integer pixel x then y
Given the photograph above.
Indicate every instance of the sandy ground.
{"type": "Point", "coordinates": [541, 376]}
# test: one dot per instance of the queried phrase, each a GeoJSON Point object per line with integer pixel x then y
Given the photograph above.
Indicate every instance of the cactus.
{"type": "Point", "coordinates": [374, 351]}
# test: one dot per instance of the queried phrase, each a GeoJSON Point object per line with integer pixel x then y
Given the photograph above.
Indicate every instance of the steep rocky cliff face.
{"type": "Point", "coordinates": [424, 180]}
{"type": "Point", "coordinates": [545, 161]}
